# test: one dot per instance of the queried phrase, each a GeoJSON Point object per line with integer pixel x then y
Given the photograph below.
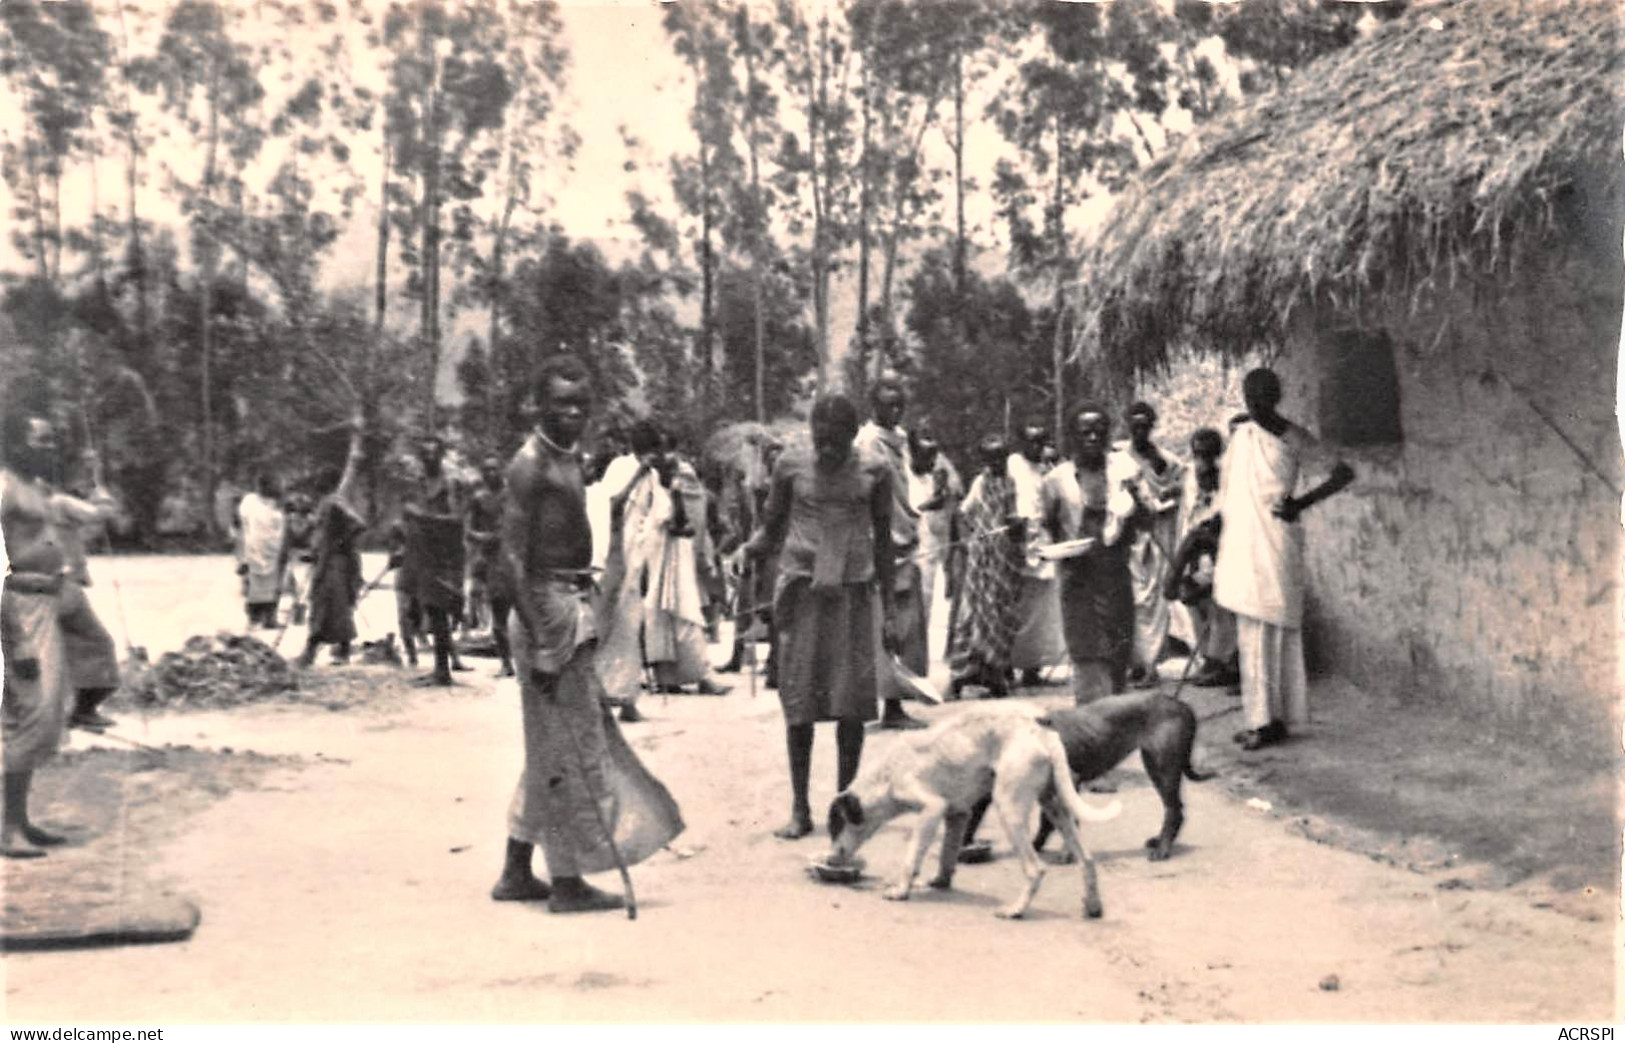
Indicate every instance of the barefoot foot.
{"type": "Point", "coordinates": [800, 825]}
{"type": "Point", "coordinates": [575, 895]}
{"type": "Point", "coordinates": [41, 837]}
{"type": "Point", "coordinates": [14, 845]}
{"type": "Point", "coordinates": [521, 889]}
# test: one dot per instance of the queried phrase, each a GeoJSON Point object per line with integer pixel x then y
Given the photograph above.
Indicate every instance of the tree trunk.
{"type": "Point", "coordinates": [866, 167]}
{"type": "Point", "coordinates": [98, 256]}
{"type": "Point", "coordinates": [895, 232]}
{"type": "Point", "coordinates": [959, 181]}
{"type": "Point", "coordinates": [206, 336]}
{"type": "Point", "coordinates": [757, 218]}
{"type": "Point", "coordinates": [56, 220]}
{"type": "Point", "coordinates": [131, 180]}
{"type": "Point", "coordinates": [41, 259]}
{"type": "Point", "coordinates": [429, 324]}
{"type": "Point", "coordinates": [495, 416]}
{"type": "Point", "coordinates": [815, 128]}
{"type": "Point", "coordinates": [381, 290]}
{"type": "Point", "coordinates": [1058, 359]}
{"type": "Point", "coordinates": [707, 278]}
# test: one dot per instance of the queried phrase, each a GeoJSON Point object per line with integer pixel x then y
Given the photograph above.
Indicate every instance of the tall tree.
{"type": "Point", "coordinates": [448, 93]}
{"type": "Point", "coordinates": [518, 156]}
{"type": "Point", "coordinates": [54, 58]}
{"type": "Point", "coordinates": [817, 171]}
{"type": "Point", "coordinates": [205, 77]}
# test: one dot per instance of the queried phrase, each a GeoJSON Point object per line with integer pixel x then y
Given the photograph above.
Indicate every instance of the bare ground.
{"type": "Point", "coordinates": [342, 871]}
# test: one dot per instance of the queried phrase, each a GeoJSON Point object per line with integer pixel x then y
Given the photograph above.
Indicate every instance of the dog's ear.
{"type": "Point", "coordinates": [843, 809]}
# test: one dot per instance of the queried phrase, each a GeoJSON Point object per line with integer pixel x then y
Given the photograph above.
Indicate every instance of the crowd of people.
{"type": "Point", "coordinates": [602, 576]}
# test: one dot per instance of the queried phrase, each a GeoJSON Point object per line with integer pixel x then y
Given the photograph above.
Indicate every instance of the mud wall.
{"type": "Point", "coordinates": [1476, 561]}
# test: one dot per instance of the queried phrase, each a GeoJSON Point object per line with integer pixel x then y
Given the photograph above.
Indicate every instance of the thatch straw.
{"type": "Point", "coordinates": [1412, 158]}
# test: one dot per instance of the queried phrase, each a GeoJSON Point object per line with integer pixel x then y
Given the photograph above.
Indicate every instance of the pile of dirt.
{"type": "Point", "coordinates": [220, 671]}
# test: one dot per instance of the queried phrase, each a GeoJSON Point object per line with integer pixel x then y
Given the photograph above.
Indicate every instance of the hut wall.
{"type": "Point", "coordinates": [1476, 560]}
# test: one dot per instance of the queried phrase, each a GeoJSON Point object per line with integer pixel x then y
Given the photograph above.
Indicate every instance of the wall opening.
{"type": "Point", "coordinates": [1359, 389]}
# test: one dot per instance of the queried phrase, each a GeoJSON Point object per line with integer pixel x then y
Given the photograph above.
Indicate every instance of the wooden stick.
{"type": "Point", "coordinates": [598, 813]}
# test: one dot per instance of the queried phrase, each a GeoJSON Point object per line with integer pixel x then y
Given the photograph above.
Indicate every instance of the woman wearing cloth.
{"type": "Point", "coordinates": [828, 516]}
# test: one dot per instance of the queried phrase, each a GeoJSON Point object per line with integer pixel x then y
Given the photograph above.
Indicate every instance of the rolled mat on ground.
{"type": "Point", "coordinates": [67, 923]}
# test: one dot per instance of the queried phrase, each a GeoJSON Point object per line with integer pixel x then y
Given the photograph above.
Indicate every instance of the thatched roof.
{"type": "Point", "coordinates": [1391, 167]}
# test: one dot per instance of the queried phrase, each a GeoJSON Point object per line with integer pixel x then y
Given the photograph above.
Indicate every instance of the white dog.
{"type": "Point", "coordinates": [1006, 749]}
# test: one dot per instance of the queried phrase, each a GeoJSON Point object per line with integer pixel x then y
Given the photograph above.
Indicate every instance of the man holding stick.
{"type": "Point", "coordinates": [583, 795]}
{"type": "Point", "coordinates": [37, 687]}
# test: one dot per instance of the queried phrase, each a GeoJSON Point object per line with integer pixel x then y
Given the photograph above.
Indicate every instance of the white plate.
{"type": "Point", "coordinates": [1066, 549]}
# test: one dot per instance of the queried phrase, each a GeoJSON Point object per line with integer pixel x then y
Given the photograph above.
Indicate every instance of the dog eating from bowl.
{"type": "Point", "coordinates": [1009, 752]}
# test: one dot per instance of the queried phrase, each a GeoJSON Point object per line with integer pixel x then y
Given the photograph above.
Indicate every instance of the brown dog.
{"type": "Point", "coordinates": [1098, 736]}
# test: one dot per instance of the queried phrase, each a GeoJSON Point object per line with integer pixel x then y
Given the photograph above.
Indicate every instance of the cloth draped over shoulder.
{"type": "Point", "coordinates": [1152, 550]}
{"type": "Point", "coordinates": [985, 627]}
{"type": "Point", "coordinates": [1259, 572]}
{"type": "Point", "coordinates": [653, 606]}
{"type": "Point", "coordinates": [890, 447]}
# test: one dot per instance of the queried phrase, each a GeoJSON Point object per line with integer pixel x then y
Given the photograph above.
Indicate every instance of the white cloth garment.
{"type": "Point", "coordinates": [1259, 573]}
{"type": "Point", "coordinates": [260, 530]}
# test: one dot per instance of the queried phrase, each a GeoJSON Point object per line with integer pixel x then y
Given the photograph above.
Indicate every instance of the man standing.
{"type": "Point", "coordinates": [1159, 485]}
{"type": "Point", "coordinates": [655, 611]}
{"type": "Point", "coordinates": [1259, 572]}
{"type": "Point", "coordinates": [1210, 629]}
{"type": "Point", "coordinates": [433, 564]}
{"type": "Point", "coordinates": [1038, 640]}
{"type": "Point", "coordinates": [582, 797]}
{"type": "Point", "coordinates": [1092, 497]}
{"type": "Point", "coordinates": [91, 655]}
{"type": "Point", "coordinates": [37, 685]}
{"type": "Point", "coordinates": [884, 439]}
{"type": "Point", "coordinates": [335, 575]}
{"type": "Point", "coordinates": [828, 517]}
{"type": "Point", "coordinates": [934, 493]}
{"type": "Point", "coordinates": [262, 550]}
{"type": "Point", "coordinates": [484, 540]}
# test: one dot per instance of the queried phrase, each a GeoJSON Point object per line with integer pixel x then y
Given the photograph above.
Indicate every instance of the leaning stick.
{"type": "Point", "coordinates": [603, 824]}
{"type": "Point", "coordinates": [1201, 642]}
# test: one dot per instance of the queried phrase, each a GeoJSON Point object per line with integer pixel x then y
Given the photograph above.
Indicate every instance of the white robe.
{"type": "Point", "coordinates": [261, 527]}
{"type": "Point", "coordinates": [659, 601]}
{"type": "Point", "coordinates": [1259, 572]}
{"type": "Point", "coordinates": [1260, 575]}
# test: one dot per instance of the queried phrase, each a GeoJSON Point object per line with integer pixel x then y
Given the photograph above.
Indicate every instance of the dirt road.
{"type": "Point", "coordinates": [352, 886]}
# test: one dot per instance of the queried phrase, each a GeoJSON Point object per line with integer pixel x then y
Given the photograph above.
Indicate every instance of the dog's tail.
{"type": "Point", "coordinates": [1061, 774]}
